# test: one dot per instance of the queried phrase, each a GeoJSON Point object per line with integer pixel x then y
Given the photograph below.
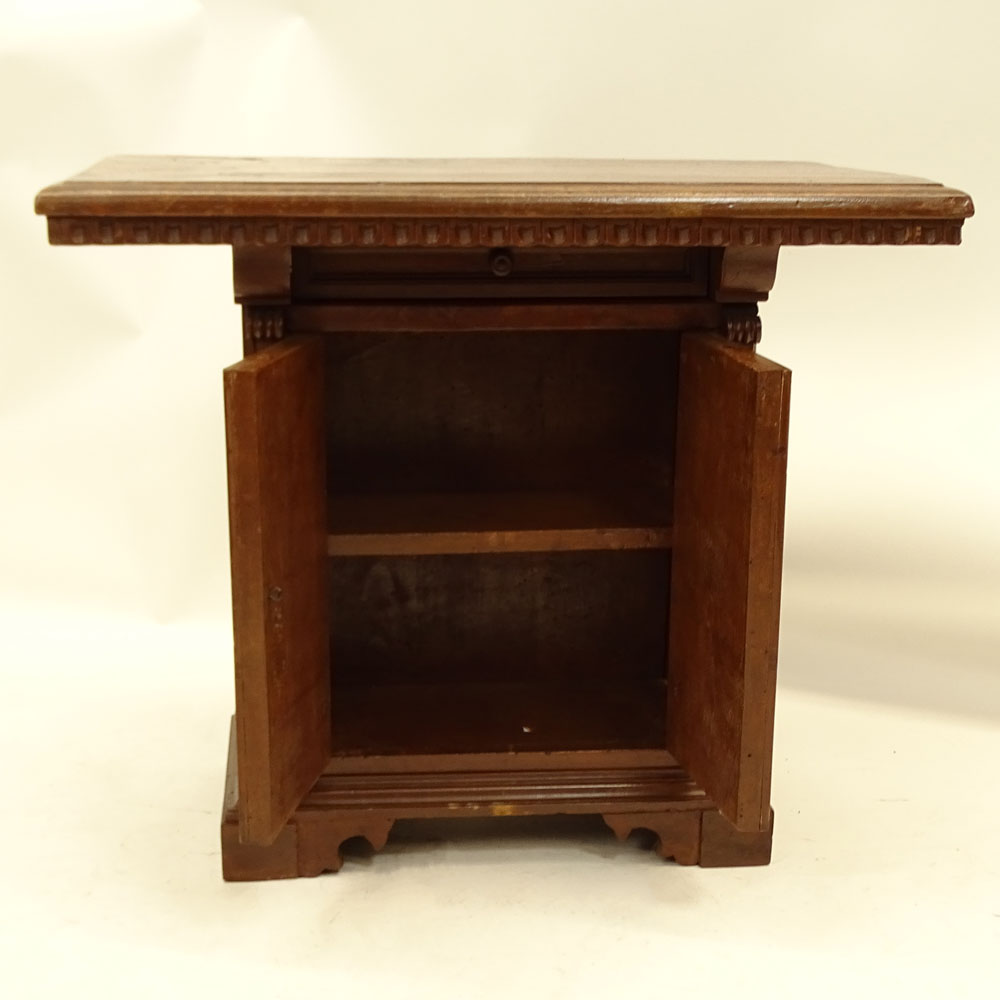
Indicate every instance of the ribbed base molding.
{"type": "Point", "coordinates": [659, 798]}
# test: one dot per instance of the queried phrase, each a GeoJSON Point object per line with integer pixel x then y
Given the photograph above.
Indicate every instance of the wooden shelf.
{"type": "Point", "coordinates": [463, 718]}
{"type": "Point", "coordinates": [457, 523]}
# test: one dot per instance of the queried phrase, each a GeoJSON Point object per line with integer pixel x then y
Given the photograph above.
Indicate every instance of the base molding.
{"type": "Point", "coordinates": [723, 846]}
{"type": "Point", "coordinates": [256, 863]}
{"type": "Point", "coordinates": [704, 838]}
{"type": "Point", "coordinates": [321, 836]}
{"type": "Point", "coordinates": [687, 826]}
{"type": "Point", "coordinates": [678, 834]}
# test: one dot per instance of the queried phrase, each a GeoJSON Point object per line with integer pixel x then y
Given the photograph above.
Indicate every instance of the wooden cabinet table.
{"type": "Point", "coordinates": [506, 479]}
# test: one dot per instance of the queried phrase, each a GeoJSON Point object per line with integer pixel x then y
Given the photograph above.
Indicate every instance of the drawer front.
{"type": "Point", "coordinates": [502, 273]}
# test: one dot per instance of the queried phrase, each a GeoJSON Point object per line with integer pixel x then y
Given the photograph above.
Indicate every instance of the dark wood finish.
{"type": "Point", "coordinates": [514, 232]}
{"type": "Point", "coordinates": [724, 846]}
{"type": "Point", "coordinates": [697, 837]}
{"type": "Point", "coordinates": [743, 274]}
{"type": "Point", "coordinates": [568, 618]}
{"type": "Point", "coordinates": [732, 441]}
{"type": "Point", "coordinates": [262, 275]}
{"type": "Point", "coordinates": [465, 523]}
{"type": "Point", "coordinates": [496, 716]}
{"type": "Point", "coordinates": [741, 324]}
{"type": "Point", "coordinates": [243, 862]}
{"type": "Point", "coordinates": [572, 316]}
{"type": "Point", "coordinates": [511, 411]}
{"type": "Point", "coordinates": [277, 537]}
{"type": "Point", "coordinates": [495, 203]}
{"type": "Point", "coordinates": [637, 272]}
{"type": "Point", "coordinates": [177, 186]}
{"type": "Point", "coordinates": [366, 802]}
{"type": "Point", "coordinates": [354, 800]}
{"type": "Point", "coordinates": [678, 834]}
{"type": "Point", "coordinates": [511, 791]}
{"type": "Point", "coordinates": [570, 761]}
{"type": "Point", "coordinates": [541, 574]}
{"type": "Point", "coordinates": [263, 325]}
{"type": "Point", "coordinates": [321, 835]}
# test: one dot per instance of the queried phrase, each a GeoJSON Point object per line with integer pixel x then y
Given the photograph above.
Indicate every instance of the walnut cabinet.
{"type": "Point", "coordinates": [506, 481]}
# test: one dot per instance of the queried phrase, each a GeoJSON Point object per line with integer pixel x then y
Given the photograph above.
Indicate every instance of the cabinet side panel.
{"type": "Point", "coordinates": [276, 459]}
{"type": "Point", "coordinates": [728, 528]}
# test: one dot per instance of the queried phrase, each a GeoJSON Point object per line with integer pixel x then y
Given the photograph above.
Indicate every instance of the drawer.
{"type": "Point", "coordinates": [502, 273]}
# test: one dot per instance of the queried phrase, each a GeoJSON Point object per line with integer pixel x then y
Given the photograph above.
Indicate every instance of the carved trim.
{"type": "Point", "coordinates": [320, 839]}
{"type": "Point", "coordinates": [262, 325]}
{"type": "Point", "coordinates": [446, 232]}
{"type": "Point", "coordinates": [744, 274]}
{"type": "Point", "coordinates": [502, 793]}
{"type": "Point", "coordinates": [678, 834]}
{"type": "Point", "coordinates": [742, 325]}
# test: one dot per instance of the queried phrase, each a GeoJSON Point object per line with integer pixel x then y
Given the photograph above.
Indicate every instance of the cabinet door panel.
{"type": "Point", "coordinates": [732, 438]}
{"type": "Point", "coordinates": [276, 460]}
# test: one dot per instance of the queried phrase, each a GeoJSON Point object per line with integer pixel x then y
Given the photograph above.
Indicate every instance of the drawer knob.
{"type": "Point", "coordinates": [501, 263]}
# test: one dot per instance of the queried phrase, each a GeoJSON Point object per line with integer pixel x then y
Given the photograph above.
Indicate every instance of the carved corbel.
{"type": "Point", "coordinates": [744, 274]}
{"type": "Point", "coordinates": [742, 277]}
{"type": "Point", "coordinates": [262, 284]}
{"type": "Point", "coordinates": [262, 274]}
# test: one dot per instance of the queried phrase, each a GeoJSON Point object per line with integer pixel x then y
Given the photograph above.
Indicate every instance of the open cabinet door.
{"type": "Point", "coordinates": [277, 489]}
{"type": "Point", "coordinates": [732, 437]}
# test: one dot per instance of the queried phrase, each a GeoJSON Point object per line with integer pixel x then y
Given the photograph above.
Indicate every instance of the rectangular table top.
{"type": "Point", "coordinates": [201, 199]}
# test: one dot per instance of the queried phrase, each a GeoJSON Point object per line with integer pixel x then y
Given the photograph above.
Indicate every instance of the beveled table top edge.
{"type": "Point", "coordinates": [253, 188]}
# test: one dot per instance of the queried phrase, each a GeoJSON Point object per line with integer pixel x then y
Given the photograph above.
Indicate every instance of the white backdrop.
{"type": "Point", "coordinates": [113, 545]}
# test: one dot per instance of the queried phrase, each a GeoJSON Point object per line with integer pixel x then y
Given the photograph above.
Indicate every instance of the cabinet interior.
{"type": "Point", "coordinates": [499, 532]}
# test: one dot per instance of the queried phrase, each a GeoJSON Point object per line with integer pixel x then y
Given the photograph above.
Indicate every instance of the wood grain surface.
{"type": "Point", "coordinates": [461, 717]}
{"type": "Point", "coordinates": [732, 439]}
{"type": "Point", "coordinates": [542, 573]}
{"type": "Point", "coordinates": [179, 186]}
{"type": "Point", "coordinates": [538, 618]}
{"type": "Point", "coordinates": [274, 434]}
{"type": "Point", "coordinates": [455, 523]}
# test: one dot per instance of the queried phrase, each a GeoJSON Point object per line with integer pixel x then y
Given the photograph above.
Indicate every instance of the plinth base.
{"type": "Point", "coordinates": [688, 828]}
